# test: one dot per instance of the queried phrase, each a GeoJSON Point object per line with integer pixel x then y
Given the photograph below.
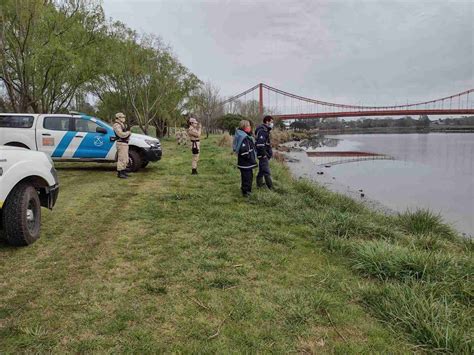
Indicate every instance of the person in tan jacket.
{"type": "Point", "coordinates": [194, 134]}
{"type": "Point", "coordinates": [122, 133]}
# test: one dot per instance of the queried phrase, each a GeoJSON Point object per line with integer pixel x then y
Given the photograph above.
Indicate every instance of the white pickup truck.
{"type": "Point", "coordinates": [28, 181]}
{"type": "Point", "coordinates": [74, 137]}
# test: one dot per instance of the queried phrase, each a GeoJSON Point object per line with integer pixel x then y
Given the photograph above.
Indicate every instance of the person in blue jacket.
{"type": "Point", "coordinates": [264, 152]}
{"type": "Point", "coordinates": [244, 146]}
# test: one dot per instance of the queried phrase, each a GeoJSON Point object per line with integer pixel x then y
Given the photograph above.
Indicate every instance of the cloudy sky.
{"type": "Point", "coordinates": [355, 52]}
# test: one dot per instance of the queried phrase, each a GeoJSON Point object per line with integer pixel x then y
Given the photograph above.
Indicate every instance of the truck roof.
{"type": "Point", "coordinates": [38, 114]}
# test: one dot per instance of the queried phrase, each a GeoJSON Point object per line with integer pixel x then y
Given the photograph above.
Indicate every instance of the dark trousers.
{"type": "Point", "coordinates": [246, 176]}
{"type": "Point", "coordinates": [264, 173]}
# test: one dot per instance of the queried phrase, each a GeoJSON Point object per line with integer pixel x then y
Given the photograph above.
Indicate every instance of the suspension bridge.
{"type": "Point", "coordinates": [287, 106]}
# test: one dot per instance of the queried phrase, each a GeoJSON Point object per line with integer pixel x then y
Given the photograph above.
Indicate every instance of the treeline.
{"type": "Point", "coordinates": [462, 121]}
{"type": "Point", "coordinates": [366, 123]}
{"type": "Point", "coordinates": [57, 56]}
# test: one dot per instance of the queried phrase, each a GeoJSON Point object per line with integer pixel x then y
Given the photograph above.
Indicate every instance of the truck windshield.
{"type": "Point", "coordinates": [103, 123]}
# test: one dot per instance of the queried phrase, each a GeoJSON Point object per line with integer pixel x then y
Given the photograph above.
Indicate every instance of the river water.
{"type": "Point", "coordinates": [434, 170]}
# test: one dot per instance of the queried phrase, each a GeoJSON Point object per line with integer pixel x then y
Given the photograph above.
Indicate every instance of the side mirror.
{"type": "Point", "coordinates": [101, 130]}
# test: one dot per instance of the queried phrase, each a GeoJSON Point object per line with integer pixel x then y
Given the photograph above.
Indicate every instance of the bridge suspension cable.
{"type": "Point", "coordinates": [304, 107]}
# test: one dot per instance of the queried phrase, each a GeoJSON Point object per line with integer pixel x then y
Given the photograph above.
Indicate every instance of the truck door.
{"type": "Point", "coordinates": [55, 136]}
{"type": "Point", "coordinates": [96, 142]}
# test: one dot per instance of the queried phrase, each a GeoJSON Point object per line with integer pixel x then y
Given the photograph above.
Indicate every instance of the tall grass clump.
{"type": "Point", "coordinates": [225, 141]}
{"type": "Point", "coordinates": [433, 323]}
{"type": "Point", "coordinates": [384, 260]}
{"type": "Point", "coordinates": [355, 225]}
{"type": "Point", "coordinates": [424, 221]}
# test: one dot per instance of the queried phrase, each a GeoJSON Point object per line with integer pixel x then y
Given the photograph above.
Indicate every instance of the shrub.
{"type": "Point", "coordinates": [225, 141]}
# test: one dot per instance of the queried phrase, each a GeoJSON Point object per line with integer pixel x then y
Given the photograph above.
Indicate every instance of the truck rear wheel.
{"type": "Point", "coordinates": [135, 160]}
{"type": "Point", "coordinates": [21, 215]}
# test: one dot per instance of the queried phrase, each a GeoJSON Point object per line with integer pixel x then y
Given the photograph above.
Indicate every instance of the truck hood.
{"type": "Point", "coordinates": [143, 137]}
{"type": "Point", "coordinates": [4, 147]}
{"type": "Point", "coordinates": [139, 140]}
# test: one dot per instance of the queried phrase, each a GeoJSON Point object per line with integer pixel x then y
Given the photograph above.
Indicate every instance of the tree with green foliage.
{"type": "Point", "coordinates": [299, 125]}
{"type": "Point", "coordinates": [424, 121]}
{"type": "Point", "coordinates": [230, 122]}
{"type": "Point", "coordinates": [143, 79]}
{"type": "Point", "coordinates": [48, 51]}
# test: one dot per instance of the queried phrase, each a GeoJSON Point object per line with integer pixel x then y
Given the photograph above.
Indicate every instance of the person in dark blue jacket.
{"type": "Point", "coordinates": [244, 146]}
{"type": "Point", "coordinates": [264, 152]}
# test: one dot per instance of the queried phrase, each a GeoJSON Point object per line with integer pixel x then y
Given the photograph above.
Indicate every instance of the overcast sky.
{"type": "Point", "coordinates": [354, 52]}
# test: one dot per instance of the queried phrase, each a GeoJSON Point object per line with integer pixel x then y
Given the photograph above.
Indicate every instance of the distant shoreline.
{"type": "Point", "coordinates": [398, 130]}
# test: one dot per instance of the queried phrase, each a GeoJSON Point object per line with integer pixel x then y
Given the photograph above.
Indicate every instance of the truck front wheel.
{"type": "Point", "coordinates": [135, 160]}
{"type": "Point", "coordinates": [21, 215]}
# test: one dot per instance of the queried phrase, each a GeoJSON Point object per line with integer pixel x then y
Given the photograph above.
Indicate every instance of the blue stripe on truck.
{"type": "Point", "coordinates": [94, 145]}
{"type": "Point", "coordinates": [62, 146]}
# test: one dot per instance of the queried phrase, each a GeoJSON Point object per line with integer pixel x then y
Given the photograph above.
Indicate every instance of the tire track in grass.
{"type": "Point", "coordinates": [62, 259]}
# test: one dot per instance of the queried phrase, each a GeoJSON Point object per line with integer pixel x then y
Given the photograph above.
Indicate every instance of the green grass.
{"type": "Point", "coordinates": [424, 221]}
{"type": "Point", "coordinates": [434, 323]}
{"type": "Point", "coordinates": [166, 261]}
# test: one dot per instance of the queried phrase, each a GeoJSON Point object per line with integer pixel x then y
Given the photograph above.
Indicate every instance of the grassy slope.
{"type": "Point", "coordinates": [170, 261]}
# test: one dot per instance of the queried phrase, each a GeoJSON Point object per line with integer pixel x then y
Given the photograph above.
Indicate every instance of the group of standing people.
{"type": "Point", "coordinates": [122, 137]}
{"type": "Point", "coordinates": [251, 152]}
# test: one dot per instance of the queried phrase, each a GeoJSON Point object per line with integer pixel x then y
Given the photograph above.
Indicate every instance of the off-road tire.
{"type": "Point", "coordinates": [135, 160]}
{"type": "Point", "coordinates": [18, 230]}
{"type": "Point", "coordinates": [144, 164]}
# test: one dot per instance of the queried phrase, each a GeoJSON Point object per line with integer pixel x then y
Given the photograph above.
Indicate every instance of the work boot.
{"type": "Point", "coordinates": [194, 172]}
{"type": "Point", "coordinates": [269, 182]}
{"type": "Point", "coordinates": [122, 175]}
{"type": "Point", "coordinates": [260, 182]}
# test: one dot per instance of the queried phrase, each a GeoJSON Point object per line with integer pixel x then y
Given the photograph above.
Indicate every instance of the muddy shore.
{"type": "Point", "coordinates": [301, 166]}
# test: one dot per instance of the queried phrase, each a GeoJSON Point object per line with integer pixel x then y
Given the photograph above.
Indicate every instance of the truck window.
{"type": "Point", "coordinates": [56, 123]}
{"type": "Point", "coordinates": [16, 121]}
{"type": "Point", "coordinates": [83, 125]}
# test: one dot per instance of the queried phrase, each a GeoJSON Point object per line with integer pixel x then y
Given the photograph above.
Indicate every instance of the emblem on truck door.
{"type": "Point", "coordinates": [98, 141]}
{"type": "Point", "coordinates": [48, 141]}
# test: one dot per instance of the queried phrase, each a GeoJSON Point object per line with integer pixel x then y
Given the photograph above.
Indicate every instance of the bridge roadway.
{"type": "Point", "coordinates": [367, 113]}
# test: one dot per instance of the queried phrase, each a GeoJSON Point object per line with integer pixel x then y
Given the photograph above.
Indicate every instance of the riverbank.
{"type": "Point", "coordinates": [302, 167]}
{"type": "Point", "coordinates": [402, 171]}
{"type": "Point", "coordinates": [166, 261]}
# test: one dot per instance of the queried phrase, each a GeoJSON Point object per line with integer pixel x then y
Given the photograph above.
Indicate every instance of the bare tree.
{"type": "Point", "coordinates": [208, 105]}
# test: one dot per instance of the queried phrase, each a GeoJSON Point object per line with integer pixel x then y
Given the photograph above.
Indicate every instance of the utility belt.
{"type": "Point", "coordinates": [194, 147]}
{"type": "Point", "coordinates": [123, 140]}
{"type": "Point", "coordinates": [119, 139]}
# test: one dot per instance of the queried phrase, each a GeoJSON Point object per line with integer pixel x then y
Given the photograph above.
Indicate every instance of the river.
{"type": "Point", "coordinates": [402, 171]}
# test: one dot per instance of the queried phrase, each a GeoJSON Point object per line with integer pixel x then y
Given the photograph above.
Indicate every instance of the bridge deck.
{"type": "Point", "coordinates": [376, 113]}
